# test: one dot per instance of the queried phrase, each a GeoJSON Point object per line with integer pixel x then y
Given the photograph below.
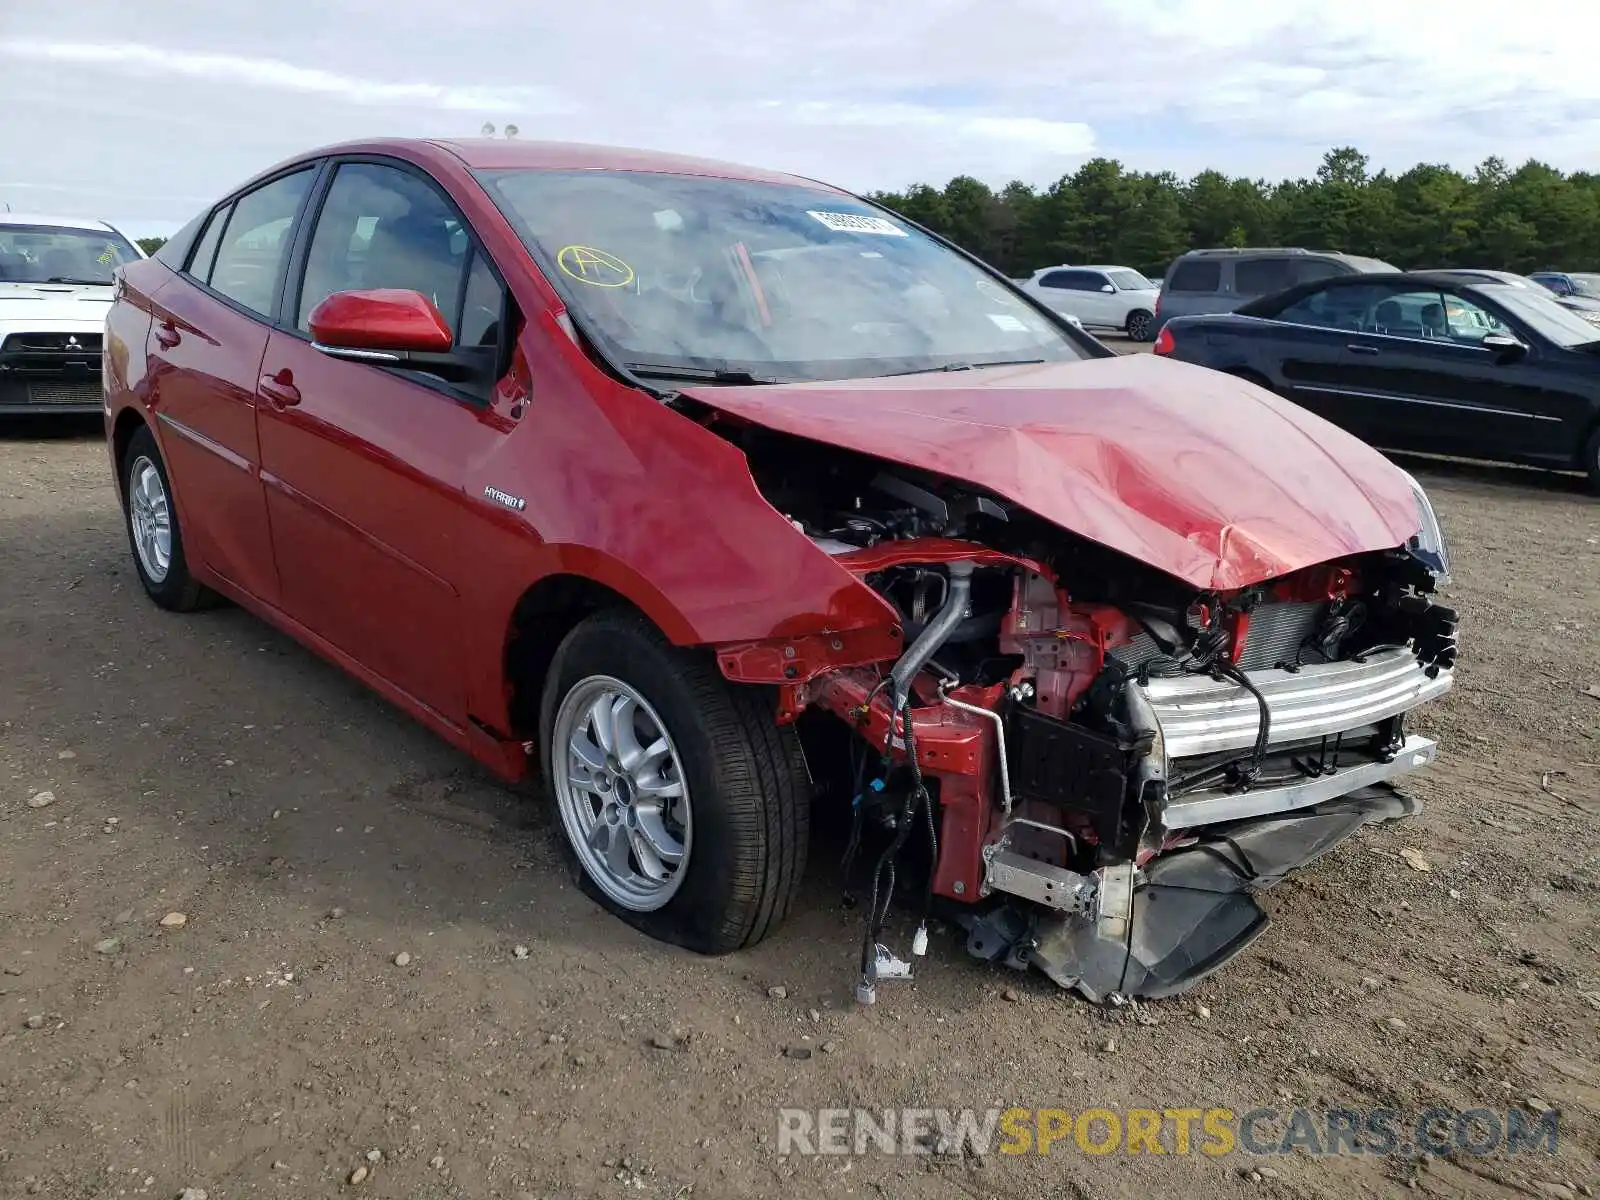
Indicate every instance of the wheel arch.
{"type": "Point", "coordinates": [1249, 375]}
{"type": "Point", "coordinates": [545, 612]}
{"type": "Point", "coordinates": [1588, 453]}
{"type": "Point", "coordinates": [128, 422]}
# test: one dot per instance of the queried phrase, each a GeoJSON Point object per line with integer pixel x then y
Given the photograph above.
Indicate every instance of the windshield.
{"type": "Point", "coordinates": [1539, 310]}
{"type": "Point", "coordinates": [53, 254]}
{"type": "Point", "coordinates": [1586, 285]}
{"type": "Point", "coordinates": [1131, 281]}
{"type": "Point", "coordinates": [778, 281]}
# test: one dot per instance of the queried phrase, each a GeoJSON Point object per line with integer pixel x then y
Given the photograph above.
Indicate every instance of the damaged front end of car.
{"type": "Point", "coordinates": [1103, 760]}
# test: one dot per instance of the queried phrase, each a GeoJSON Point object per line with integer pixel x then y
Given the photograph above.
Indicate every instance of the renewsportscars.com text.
{"type": "Point", "coordinates": [1209, 1131]}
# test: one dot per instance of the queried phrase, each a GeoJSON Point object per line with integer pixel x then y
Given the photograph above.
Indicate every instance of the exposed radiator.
{"type": "Point", "coordinates": [1277, 631]}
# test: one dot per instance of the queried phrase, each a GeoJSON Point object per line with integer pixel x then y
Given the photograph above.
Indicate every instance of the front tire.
{"type": "Point", "coordinates": [685, 804]}
{"type": "Point", "coordinates": [154, 533]}
{"type": "Point", "coordinates": [1140, 325]}
{"type": "Point", "coordinates": [1591, 460]}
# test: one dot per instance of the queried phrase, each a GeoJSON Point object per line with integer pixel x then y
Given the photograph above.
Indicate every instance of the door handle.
{"type": "Point", "coordinates": [1355, 349]}
{"type": "Point", "coordinates": [167, 335]}
{"type": "Point", "coordinates": [279, 389]}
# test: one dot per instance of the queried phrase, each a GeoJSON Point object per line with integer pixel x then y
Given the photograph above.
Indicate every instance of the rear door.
{"type": "Point", "coordinates": [208, 336]}
{"type": "Point", "coordinates": [1261, 276]}
{"type": "Point", "coordinates": [363, 463]}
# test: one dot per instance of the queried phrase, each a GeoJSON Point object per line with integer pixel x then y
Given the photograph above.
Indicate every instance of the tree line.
{"type": "Point", "coordinates": [1522, 220]}
{"type": "Point", "coordinates": [1431, 216]}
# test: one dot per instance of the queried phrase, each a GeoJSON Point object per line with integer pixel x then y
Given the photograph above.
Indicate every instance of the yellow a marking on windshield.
{"type": "Point", "coordinates": [594, 267]}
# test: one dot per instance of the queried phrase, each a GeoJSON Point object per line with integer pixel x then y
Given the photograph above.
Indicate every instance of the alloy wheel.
{"type": "Point", "coordinates": [150, 516]}
{"type": "Point", "coordinates": [620, 789]}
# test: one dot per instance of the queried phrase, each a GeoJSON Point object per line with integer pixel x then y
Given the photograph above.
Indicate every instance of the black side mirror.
{"type": "Point", "coordinates": [1504, 346]}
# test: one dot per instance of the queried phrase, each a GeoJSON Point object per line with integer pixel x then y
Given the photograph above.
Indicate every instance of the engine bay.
{"type": "Point", "coordinates": [1031, 729]}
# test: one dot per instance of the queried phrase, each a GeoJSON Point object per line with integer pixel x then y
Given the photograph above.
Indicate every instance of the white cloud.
{"type": "Point", "coordinates": [864, 95]}
{"type": "Point", "coordinates": [239, 71]}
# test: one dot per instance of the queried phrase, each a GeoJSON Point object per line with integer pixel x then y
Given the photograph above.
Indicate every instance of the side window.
{"type": "Point", "coordinates": [1310, 270]}
{"type": "Point", "coordinates": [1466, 321]}
{"type": "Point", "coordinates": [1423, 314]}
{"type": "Point", "coordinates": [1056, 279]}
{"type": "Point", "coordinates": [1334, 308]}
{"type": "Point", "coordinates": [250, 257]}
{"type": "Point", "coordinates": [381, 227]}
{"type": "Point", "coordinates": [1261, 276]}
{"type": "Point", "coordinates": [482, 306]}
{"type": "Point", "coordinates": [1196, 275]}
{"type": "Point", "coordinates": [205, 252]}
{"type": "Point", "coordinates": [1087, 281]}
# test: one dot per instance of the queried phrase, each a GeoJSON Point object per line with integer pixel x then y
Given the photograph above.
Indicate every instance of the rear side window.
{"type": "Point", "coordinates": [205, 252]}
{"type": "Point", "coordinates": [1056, 279]}
{"type": "Point", "coordinates": [251, 254]}
{"type": "Point", "coordinates": [1196, 275]}
{"type": "Point", "coordinates": [1260, 276]}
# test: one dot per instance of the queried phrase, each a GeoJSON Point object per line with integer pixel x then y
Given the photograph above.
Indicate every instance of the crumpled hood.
{"type": "Point", "coordinates": [45, 304]}
{"type": "Point", "coordinates": [1199, 474]}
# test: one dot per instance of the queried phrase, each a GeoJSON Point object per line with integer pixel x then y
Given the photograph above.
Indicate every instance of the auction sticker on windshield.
{"type": "Point", "coordinates": [588, 265]}
{"type": "Point", "coordinates": [856, 223]}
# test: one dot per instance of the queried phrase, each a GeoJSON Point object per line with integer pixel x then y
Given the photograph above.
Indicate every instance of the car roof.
{"type": "Point", "coordinates": [1475, 273]}
{"type": "Point", "coordinates": [1362, 279]}
{"type": "Point", "coordinates": [1236, 251]}
{"type": "Point", "coordinates": [511, 154]}
{"type": "Point", "coordinates": [16, 218]}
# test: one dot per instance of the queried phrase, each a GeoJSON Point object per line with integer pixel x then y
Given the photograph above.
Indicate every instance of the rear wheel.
{"type": "Point", "coordinates": [154, 533]}
{"type": "Point", "coordinates": [686, 805]}
{"type": "Point", "coordinates": [1140, 325]}
{"type": "Point", "coordinates": [1591, 459]}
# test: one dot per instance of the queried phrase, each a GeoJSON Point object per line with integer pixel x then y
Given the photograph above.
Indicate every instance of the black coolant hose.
{"type": "Point", "coordinates": [935, 635]}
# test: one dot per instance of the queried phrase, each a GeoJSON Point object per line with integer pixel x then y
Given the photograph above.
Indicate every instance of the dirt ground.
{"type": "Point", "coordinates": [310, 834]}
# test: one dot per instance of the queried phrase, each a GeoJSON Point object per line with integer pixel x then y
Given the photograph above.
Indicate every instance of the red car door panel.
{"type": "Point", "coordinates": [363, 477]}
{"type": "Point", "coordinates": [204, 397]}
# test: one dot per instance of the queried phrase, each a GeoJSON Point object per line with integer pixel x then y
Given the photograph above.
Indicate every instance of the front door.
{"type": "Point", "coordinates": [364, 464]}
{"type": "Point", "coordinates": [1421, 363]}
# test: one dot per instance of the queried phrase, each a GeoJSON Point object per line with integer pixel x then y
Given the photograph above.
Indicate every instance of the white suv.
{"type": "Point", "coordinates": [55, 289]}
{"type": "Point", "coordinates": [1100, 297]}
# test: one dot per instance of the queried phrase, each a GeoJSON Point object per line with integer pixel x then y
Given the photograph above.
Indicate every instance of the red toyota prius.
{"type": "Point", "coordinates": [705, 495]}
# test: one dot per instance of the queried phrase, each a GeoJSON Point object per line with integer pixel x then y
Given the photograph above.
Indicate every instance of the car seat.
{"type": "Point", "coordinates": [413, 252]}
{"type": "Point", "coordinates": [1433, 322]}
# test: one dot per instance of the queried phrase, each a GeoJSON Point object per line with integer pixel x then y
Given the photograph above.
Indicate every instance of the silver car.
{"type": "Point", "coordinates": [1201, 282]}
{"type": "Point", "coordinates": [1118, 298]}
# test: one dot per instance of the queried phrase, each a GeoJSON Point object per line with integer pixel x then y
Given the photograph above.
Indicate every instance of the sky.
{"type": "Point", "coordinates": [142, 113]}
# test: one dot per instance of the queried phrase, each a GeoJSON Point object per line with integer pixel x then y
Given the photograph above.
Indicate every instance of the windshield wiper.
{"type": "Point", "coordinates": [967, 366]}
{"type": "Point", "coordinates": [696, 374]}
{"type": "Point", "coordinates": [76, 279]}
